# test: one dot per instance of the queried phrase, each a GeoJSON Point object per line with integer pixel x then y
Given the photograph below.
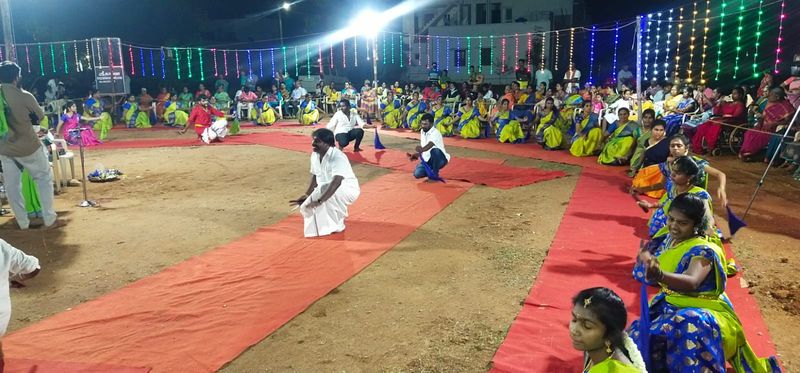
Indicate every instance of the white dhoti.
{"type": "Point", "coordinates": [217, 130]}
{"type": "Point", "coordinates": [328, 217]}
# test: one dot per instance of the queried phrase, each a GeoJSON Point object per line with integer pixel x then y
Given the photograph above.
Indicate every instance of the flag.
{"type": "Point", "coordinates": [235, 127]}
{"type": "Point", "coordinates": [734, 222]}
{"type": "Point", "coordinates": [377, 143]}
{"type": "Point", "coordinates": [432, 175]}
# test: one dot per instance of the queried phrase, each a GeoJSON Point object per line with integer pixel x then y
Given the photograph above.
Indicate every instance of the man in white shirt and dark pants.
{"type": "Point", "coordinates": [297, 95]}
{"type": "Point", "coordinates": [431, 148]}
{"type": "Point", "coordinates": [347, 126]}
{"type": "Point", "coordinates": [332, 188]}
{"type": "Point", "coordinates": [13, 262]}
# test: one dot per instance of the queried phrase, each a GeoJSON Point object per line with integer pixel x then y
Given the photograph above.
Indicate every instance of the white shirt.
{"type": "Point", "coordinates": [12, 261]}
{"type": "Point", "coordinates": [576, 74]}
{"type": "Point", "coordinates": [489, 94]}
{"type": "Point", "coordinates": [433, 135]}
{"type": "Point", "coordinates": [332, 164]}
{"type": "Point", "coordinates": [341, 124]}
{"type": "Point", "coordinates": [298, 93]}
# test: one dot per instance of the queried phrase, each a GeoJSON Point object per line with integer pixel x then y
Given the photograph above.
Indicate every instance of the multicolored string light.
{"type": "Point", "coordinates": [678, 44]}
{"type": "Point", "coordinates": [392, 42]}
{"type": "Point", "coordinates": [516, 51]}
{"type": "Point", "coordinates": [202, 68]}
{"type": "Point", "coordinates": [249, 63]}
{"type": "Point", "coordinates": [591, 55]}
{"type": "Point", "coordinates": [163, 65]}
{"type": "Point", "coordinates": [491, 54]}
{"type": "Point", "coordinates": [447, 53]}
{"type": "Point", "coordinates": [410, 40]}
{"type": "Point", "coordinates": [272, 60]}
{"type": "Point", "coordinates": [706, 20]}
{"type": "Point", "coordinates": [330, 54]}
{"type": "Point", "coordinates": [691, 43]}
{"type": "Point", "coordinates": [297, 65]}
{"type": "Point", "coordinates": [419, 50]}
{"type": "Point", "coordinates": [503, 55]}
{"type": "Point", "coordinates": [189, 62]}
{"type": "Point", "coordinates": [238, 67]}
{"type": "Point", "coordinates": [260, 63]}
{"type": "Point", "coordinates": [666, 47]}
{"type": "Point", "coordinates": [438, 56]}
{"type": "Point", "coordinates": [53, 57]}
{"type": "Point", "coordinates": [177, 62]}
{"type": "Point", "coordinates": [480, 54]}
{"type": "Point", "coordinates": [427, 54]}
{"type": "Point", "coordinates": [319, 51]}
{"type": "Point", "coordinates": [721, 39]}
{"type": "Point", "coordinates": [308, 61]}
{"type": "Point", "coordinates": [616, 49]}
{"type": "Point", "coordinates": [152, 64]}
{"type": "Point", "coordinates": [778, 50]}
{"type": "Point", "coordinates": [78, 65]}
{"type": "Point", "coordinates": [530, 46]}
{"type": "Point", "coordinates": [141, 62]}
{"type": "Point", "coordinates": [647, 45]}
{"type": "Point", "coordinates": [225, 62]}
{"type": "Point", "coordinates": [283, 53]}
{"type": "Point", "coordinates": [383, 39]}
{"type": "Point", "coordinates": [469, 52]}
{"type": "Point", "coordinates": [41, 60]}
{"type": "Point", "coordinates": [458, 55]}
{"type": "Point", "coordinates": [216, 67]}
{"type": "Point", "coordinates": [758, 38]}
{"type": "Point", "coordinates": [130, 53]}
{"type": "Point", "coordinates": [88, 52]}
{"type": "Point", "coordinates": [64, 54]}
{"type": "Point", "coordinates": [344, 52]}
{"type": "Point", "coordinates": [739, 38]}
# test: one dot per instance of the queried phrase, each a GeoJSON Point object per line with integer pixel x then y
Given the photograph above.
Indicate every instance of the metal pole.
{"type": "Point", "coordinates": [8, 30]}
{"type": "Point", "coordinates": [638, 66]}
{"type": "Point", "coordinates": [375, 58]}
{"type": "Point", "coordinates": [771, 161]}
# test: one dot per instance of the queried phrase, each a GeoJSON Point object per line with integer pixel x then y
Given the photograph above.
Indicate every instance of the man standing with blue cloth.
{"type": "Point", "coordinates": [431, 148]}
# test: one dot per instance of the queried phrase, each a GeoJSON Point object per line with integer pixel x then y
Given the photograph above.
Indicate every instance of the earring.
{"type": "Point", "coordinates": [608, 347]}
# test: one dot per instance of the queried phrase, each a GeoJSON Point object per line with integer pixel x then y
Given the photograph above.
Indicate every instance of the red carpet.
{"type": "Point", "coordinates": [35, 366]}
{"type": "Point", "coordinates": [202, 313]}
{"type": "Point", "coordinates": [596, 242]}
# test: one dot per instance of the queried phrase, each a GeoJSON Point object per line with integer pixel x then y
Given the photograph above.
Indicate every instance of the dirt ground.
{"type": "Point", "coordinates": [441, 301]}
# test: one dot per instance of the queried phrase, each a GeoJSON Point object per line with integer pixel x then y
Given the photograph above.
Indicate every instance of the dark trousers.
{"type": "Point", "coordinates": [355, 134]}
{"type": "Point", "coordinates": [437, 161]}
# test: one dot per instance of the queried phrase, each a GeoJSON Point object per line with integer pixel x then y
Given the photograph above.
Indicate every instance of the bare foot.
{"type": "Point", "coordinates": [56, 225]}
{"type": "Point", "coordinates": [357, 149]}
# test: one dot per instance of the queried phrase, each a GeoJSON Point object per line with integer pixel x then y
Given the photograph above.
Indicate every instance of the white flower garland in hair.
{"type": "Point", "coordinates": [634, 354]}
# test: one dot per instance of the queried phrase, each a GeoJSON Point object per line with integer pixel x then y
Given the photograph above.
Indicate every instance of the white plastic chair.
{"type": "Point", "coordinates": [63, 159]}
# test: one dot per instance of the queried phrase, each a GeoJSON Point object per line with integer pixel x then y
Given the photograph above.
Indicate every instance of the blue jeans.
{"type": "Point", "coordinates": [436, 162]}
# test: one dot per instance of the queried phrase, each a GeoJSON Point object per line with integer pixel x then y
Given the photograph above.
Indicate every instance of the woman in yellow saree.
{"type": "Point", "coordinates": [588, 135]}
{"type": "Point", "coordinates": [309, 113]}
{"type": "Point", "coordinates": [133, 116]}
{"type": "Point", "coordinates": [621, 140]}
{"type": "Point", "coordinates": [469, 120]}
{"type": "Point", "coordinates": [391, 114]}
{"type": "Point", "coordinates": [597, 328]}
{"type": "Point", "coordinates": [552, 127]}
{"type": "Point", "coordinates": [94, 108]}
{"type": "Point", "coordinates": [507, 127]}
{"type": "Point", "coordinates": [414, 111]}
{"type": "Point", "coordinates": [442, 118]}
{"type": "Point", "coordinates": [172, 116]}
{"type": "Point", "coordinates": [692, 324]}
{"type": "Point", "coordinates": [266, 115]}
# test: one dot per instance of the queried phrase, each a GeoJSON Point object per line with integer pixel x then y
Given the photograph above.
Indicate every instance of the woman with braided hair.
{"type": "Point", "coordinates": [598, 329]}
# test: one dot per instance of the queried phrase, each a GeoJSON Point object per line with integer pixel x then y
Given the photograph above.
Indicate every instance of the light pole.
{"type": "Point", "coordinates": [285, 7]}
{"type": "Point", "coordinates": [8, 30]}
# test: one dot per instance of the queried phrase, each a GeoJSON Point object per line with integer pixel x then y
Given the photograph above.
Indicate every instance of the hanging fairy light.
{"type": "Point", "coordinates": [355, 51]}
{"type": "Point", "coordinates": [758, 38]}
{"type": "Point", "coordinates": [666, 46]}
{"type": "Point", "coordinates": [391, 37]}
{"type": "Point", "coordinates": [272, 60]}
{"type": "Point", "coordinates": [41, 60]}
{"type": "Point", "coordinates": [283, 54]}
{"type": "Point", "coordinates": [427, 53]}
{"type": "Point", "coordinates": [344, 53]}
{"type": "Point", "coordinates": [438, 56]}
{"type": "Point", "coordinates": [163, 65]}
{"type": "Point", "coordinates": [558, 46]}
{"type": "Point", "coordinates": [88, 52]}
{"type": "Point", "coordinates": [678, 44]}
{"type": "Point", "coordinates": [297, 65]}
{"type": "Point", "coordinates": [503, 55]}
{"type": "Point", "coordinates": [202, 69]}
{"type": "Point", "coordinates": [152, 64]}
{"type": "Point", "coordinates": [189, 62]}
{"type": "Point", "coordinates": [591, 55]}
{"type": "Point", "coordinates": [225, 62]}
{"type": "Point", "coordinates": [1, 54]}
{"type": "Point", "coordinates": [658, 42]}
{"type": "Point", "coordinates": [177, 62]}
{"type": "Point", "coordinates": [778, 50]}
{"type": "Point", "coordinates": [64, 55]}
{"type": "Point", "coordinates": [249, 63]}
{"type": "Point", "coordinates": [647, 45]}
{"type": "Point", "coordinates": [308, 61]}
{"type": "Point", "coordinates": [705, 43]}
{"type": "Point", "coordinates": [616, 49]}
{"type": "Point", "coordinates": [260, 63]}
{"type": "Point", "coordinates": [236, 61]}
{"type": "Point", "coordinates": [516, 51]}
{"type": "Point", "coordinates": [491, 54]}
{"type": "Point", "coordinates": [739, 38]}
{"type": "Point", "coordinates": [410, 40]}
{"type": "Point", "coordinates": [53, 57]}
{"type": "Point", "coordinates": [141, 62]}
{"type": "Point", "coordinates": [691, 43]}
{"type": "Point", "coordinates": [98, 54]}
{"type": "Point", "coordinates": [530, 46]}
{"type": "Point", "coordinates": [721, 39]}
{"type": "Point", "coordinates": [330, 53]}
{"type": "Point", "coordinates": [458, 55]}
{"type": "Point", "coordinates": [28, 58]}
{"type": "Point", "coordinates": [447, 52]}
{"type": "Point", "coordinates": [130, 53]}
{"type": "Point", "coordinates": [216, 67]}
{"type": "Point", "coordinates": [480, 54]}
{"type": "Point", "coordinates": [78, 64]}
{"type": "Point", "coordinates": [383, 38]}
{"type": "Point", "coordinates": [319, 51]}
{"type": "Point", "coordinates": [469, 52]}
{"type": "Point", "coordinates": [571, 45]}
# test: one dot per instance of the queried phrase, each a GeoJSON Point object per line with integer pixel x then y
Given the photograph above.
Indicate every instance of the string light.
{"type": "Point", "coordinates": [249, 63]}
{"type": "Point", "coordinates": [88, 53]}
{"type": "Point", "coordinates": [98, 54]}
{"type": "Point", "coordinates": [225, 62]}
{"type": "Point", "coordinates": [130, 53]}
{"type": "Point", "coordinates": [152, 64]}
{"type": "Point", "coordinates": [28, 58]}
{"type": "Point", "coordinates": [427, 53]}
{"type": "Point", "coordinates": [410, 40]}
{"type": "Point", "coordinates": [163, 65]}
{"type": "Point", "coordinates": [308, 61]}
{"type": "Point", "coordinates": [591, 55]}
{"type": "Point", "coordinates": [758, 38]}
{"type": "Point", "coordinates": [330, 50]}
{"type": "Point", "coordinates": [283, 53]}
{"type": "Point", "coordinates": [355, 51]}
{"type": "Point", "coordinates": [41, 60]}
{"type": "Point", "coordinates": [691, 43]}
{"type": "Point", "coordinates": [238, 69]}
{"type": "Point", "coordinates": [721, 39]}
{"type": "Point", "coordinates": [260, 63]}
{"type": "Point", "coordinates": [516, 51]}
{"type": "Point", "coordinates": [438, 56]}
{"type": "Point", "coordinates": [1, 54]}
{"type": "Point", "coordinates": [647, 45]}
{"type": "Point", "coordinates": [64, 54]}
{"type": "Point", "coordinates": [658, 42]}
{"type": "Point", "coordinates": [216, 67]}
{"type": "Point", "coordinates": [705, 44]}
{"type": "Point", "coordinates": [491, 54]}
{"type": "Point", "coordinates": [469, 52]}
{"type": "Point", "coordinates": [678, 44]}
{"type": "Point", "coordinates": [503, 55]}
{"type": "Point", "coordinates": [202, 69]}
{"type": "Point", "coordinates": [777, 50]}
{"type": "Point", "coordinates": [53, 57]}
{"type": "Point", "coordinates": [78, 65]}
{"type": "Point", "coordinates": [319, 50]}
{"type": "Point", "coordinates": [392, 41]}
{"type": "Point", "coordinates": [616, 48]}
{"type": "Point", "coordinates": [447, 53]}
{"type": "Point", "coordinates": [558, 46]}
{"type": "Point", "coordinates": [480, 54]}
{"type": "Point", "coordinates": [178, 63]}
{"type": "Point", "coordinates": [383, 36]}
{"type": "Point", "coordinates": [458, 55]}
{"type": "Point", "coordinates": [297, 65]}
{"type": "Point", "coordinates": [189, 61]}
{"type": "Point", "coordinates": [739, 38]}
{"type": "Point", "coordinates": [141, 62]}
{"type": "Point", "coordinates": [419, 50]}
{"type": "Point", "coordinates": [666, 47]}
{"type": "Point", "coordinates": [530, 46]}
{"type": "Point", "coordinates": [272, 60]}
{"type": "Point", "coordinates": [571, 45]}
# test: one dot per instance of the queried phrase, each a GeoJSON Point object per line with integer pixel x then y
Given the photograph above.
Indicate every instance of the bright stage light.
{"type": "Point", "coordinates": [286, 6]}
{"type": "Point", "coordinates": [368, 23]}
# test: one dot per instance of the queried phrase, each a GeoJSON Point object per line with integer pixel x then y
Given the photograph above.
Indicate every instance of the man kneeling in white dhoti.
{"type": "Point", "coordinates": [332, 188]}
{"type": "Point", "coordinates": [201, 120]}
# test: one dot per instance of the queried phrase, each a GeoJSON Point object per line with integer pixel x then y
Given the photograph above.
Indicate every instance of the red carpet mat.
{"type": "Point", "coordinates": [202, 313]}
{"type": "Point", "coordinates": [34, 366]}
{"type": "Point", "coordinates": [595, 243]}
{"type": "Point", "coordinates": [475, 171]}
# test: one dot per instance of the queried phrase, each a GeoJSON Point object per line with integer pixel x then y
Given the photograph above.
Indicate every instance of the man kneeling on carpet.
{"type": "Point", "coordinates": [431, 148]}
{"type": "Point", "coordinates": [21, 267]}
{"type": "Point", "coordinates": [332, 188]}
{"type": "Point", "coordinates": [200, 120]}
{"type": "Point", "coordinates": [347, 126]}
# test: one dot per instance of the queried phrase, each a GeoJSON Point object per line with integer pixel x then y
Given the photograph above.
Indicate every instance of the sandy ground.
{"type": "Point", "coordinates": [442, 300]}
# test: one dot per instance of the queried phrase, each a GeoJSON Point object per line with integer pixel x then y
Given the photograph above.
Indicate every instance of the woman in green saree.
{"type": "Point", "coordinates": [620, 139]}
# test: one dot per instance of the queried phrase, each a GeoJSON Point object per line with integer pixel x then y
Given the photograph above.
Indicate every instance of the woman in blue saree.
{"type": "Point", "coordinates": [621, 140]}
{"type": "Point", "coordinates": [469, 120]}
{"type": "Point", "coordinates": [685, 106]}
{"type": "Point", "coordinates": [692, 324]}
{"type": "Point", "coordinates": [588, 135]}
{"type": "Point", "coordinates": [507, 127]}
{"type": "Point", "coordinates": [414, 111]}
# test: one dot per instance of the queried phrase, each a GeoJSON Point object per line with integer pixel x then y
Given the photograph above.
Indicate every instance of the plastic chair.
{"type": "Point", "coordinates": [63, 159]}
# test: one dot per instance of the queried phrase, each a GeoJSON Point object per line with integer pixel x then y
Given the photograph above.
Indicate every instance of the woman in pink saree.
{"type": "Point", "coordinates": [777, 113]}
{"type": "Point", "coordinates": [74, 131]}
{"type": "Point", "coordinates": [732, 112]}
